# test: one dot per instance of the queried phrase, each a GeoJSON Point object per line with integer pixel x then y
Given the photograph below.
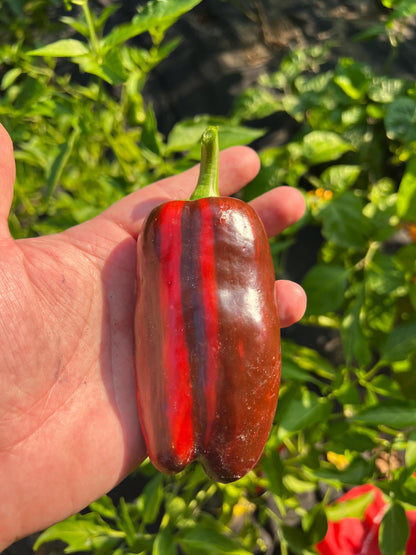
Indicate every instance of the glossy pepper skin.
{"type": "Point", "coordinates": [207, 336]}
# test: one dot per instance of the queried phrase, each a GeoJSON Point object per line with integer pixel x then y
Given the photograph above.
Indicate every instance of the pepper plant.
{"type": "Point", "coordinates": [345, 416]}
{"type": "Point", "coordinates": [93, 139]}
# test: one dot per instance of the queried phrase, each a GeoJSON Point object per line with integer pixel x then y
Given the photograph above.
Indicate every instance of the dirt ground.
{"type": "Point", "coordinates": [226, 46]}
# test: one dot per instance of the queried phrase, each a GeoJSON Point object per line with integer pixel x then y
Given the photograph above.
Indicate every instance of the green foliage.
{"type": "Point", "coordinates": [354, 158]}
{"type": "Point", "coordinates": [182, 506]}
{"type": "Point", "coordinates": [83, 142]}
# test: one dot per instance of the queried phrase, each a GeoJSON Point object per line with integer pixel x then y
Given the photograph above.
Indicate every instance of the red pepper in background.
{"type": "Point", "coordinates": [207, 330]}
{"type": "Point", "coordinates": [352, 536]}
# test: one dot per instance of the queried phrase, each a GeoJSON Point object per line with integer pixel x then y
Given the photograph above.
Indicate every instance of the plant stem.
{"type": "Point", "coordinates": [207, 185]}
{"type": "Point", "coordinates": [93, 37]}
{"type": "Point", "coordinates": [373, 371]}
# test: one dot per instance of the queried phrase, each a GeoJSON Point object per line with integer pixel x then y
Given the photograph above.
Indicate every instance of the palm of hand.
{"type": "Point", "coordinates": [69, 409]}
{"type": "Point", "coordinates": [69, 429]}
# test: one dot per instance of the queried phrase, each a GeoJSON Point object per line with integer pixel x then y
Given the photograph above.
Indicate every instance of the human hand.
{"type": "Point", "coordinates": [69, 428]}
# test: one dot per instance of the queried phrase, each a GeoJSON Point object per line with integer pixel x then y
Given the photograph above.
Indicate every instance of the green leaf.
{"type": "Point", "coordinates": [16, 6]}
{"type": "Point", "coordinates": [400, 343]}
{"type": "Point", "coordinates": [308, 359]}
{"type": "Point", "coordinates": [344, 223]}
{"type": "Point", "coordinates": [79, 26]}
{"type": "Point", "coordinates": [80, 532]}
{"type": "Point", "coordinates": [151, 499]}
{"type": "Point", "coordinates": [352, 508]}
{"type": "Point", "coordinates": [406, 198]}
{"type": "Point", "coordinates": [105, 15]}
{"type": "Point", "coordinates": [164, 543]}
{"type": "Point", "coordinates": [292, 372]}
{"type": "Point", "coordinates": [234, 135]}
{"type": "Point", "coordinates": [149, 137]}
{"type": "Point", "coordinates": [325, 287]}
{"type": "Point", "coordinates": [110, 69]}
{"type": "Point", "coordinates": [347, 394]}
{"type": "Point", "coordinates": [405, 376]}
{"type": "Point", "coordinates": [104, 507]}
{"type": "Point", "coordinates": [383, 277]}
{"type": "Point", "coordinates": [354, 342]}
{"type": "Point", "coordinates": [384, 90]}
{"type": "Point", "coordinates": [384, 385]}
{"type": "Point", "coordinates": [255, 103]}
{"type": "Point", "coordinates": [340, 177]}
{"type": "Point", "coordinates": [400, 120]}
{"type": "Point", "coordinates": [296, 412]}
{"type": "Point", "coordinates": [324, 146]}
{"type": "Point", "coordinates": [273, 468]}
{"type": "Point", "coordinates": [403, 488]}
{"type": "Point", "coordinates": [126, 523]}
{"type": "Point", "coordinates": [393, 413]}
{"type": "Point", "coordinates": [175, 506]}
{"type": "Point", "coordinates": [405, 259]}
{"type": "Point", "coordinates": [353, 78]}
{"type": "Point", "coordinates": [358, 470]}
{"type": "Point", "coordinates": [296, 538]}
{"type": "Point", "coordinates": [156, 14]}
{"type": "Point", "coordinates": [59, 162]}
{"type": "Point", "coordinates": [381, 209]}
{"type": "Point", "coordinates": [380, 313]}
{"type": "Point", "coordinates": [29, 93]}
{"type": "Point", "coordinates": [394, 531]}
{"type": "Point", "coordinates": [210, 540]}
{"type": "Point", "coordinates": [186, 135]}
{"type": "Point", "coordinates": [113, 68]}
{"type": "Point", "coordinates": [410, 456]}
{"type": "Point", "coordinates": [62, 48]}
{"type": "Point", "coordinates": [315, 524]}
{"type": "Point", "coordinates": [10, 77]}
{"type": "Point", "coordinates": [354, 437]}
{"type": "Point", "coordinates": [297, 485]}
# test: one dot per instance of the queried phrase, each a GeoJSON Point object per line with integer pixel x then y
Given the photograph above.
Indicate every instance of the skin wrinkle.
{"type": "Point", "coordinates": [38, 411]}
{"type": "Point", "coordinates": [41, 423]}
{"type": "Point", "coordinates": [112, 371]}
{"type": "Point", "coordinates": [42, 416]}
{"type": "Point", "coordinates": [38, 286]}
{"type": "Point", "coordinates": [80, 467]}
{"type": "Point", "coordinates": [118, 331]}
{"type": "Point", "coordinates": [90, 250]}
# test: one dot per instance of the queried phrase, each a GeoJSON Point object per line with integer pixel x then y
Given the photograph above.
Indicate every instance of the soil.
{"type": "Point", "coordinates": [226, 45]}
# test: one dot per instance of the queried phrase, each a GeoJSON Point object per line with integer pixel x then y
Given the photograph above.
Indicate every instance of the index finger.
{"type": "Point", "coordinates": [279, 208]}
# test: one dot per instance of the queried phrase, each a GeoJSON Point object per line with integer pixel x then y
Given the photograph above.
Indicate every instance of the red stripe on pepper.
{"type": "Point", "coordinates": [177, 398]}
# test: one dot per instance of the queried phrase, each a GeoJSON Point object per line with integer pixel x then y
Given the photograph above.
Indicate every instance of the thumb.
{"type": "Point", "coordinates": [7, 177]}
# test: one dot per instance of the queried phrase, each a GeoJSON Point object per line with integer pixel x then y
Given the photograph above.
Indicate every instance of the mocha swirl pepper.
{"type": "Point", "coordinates": [207, 331]}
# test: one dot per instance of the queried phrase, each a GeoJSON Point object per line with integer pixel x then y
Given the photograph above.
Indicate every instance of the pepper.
{"type": "Point", "coordinates": [207, 330]}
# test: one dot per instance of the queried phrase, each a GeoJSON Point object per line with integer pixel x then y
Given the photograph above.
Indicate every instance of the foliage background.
{"type": "Point", "coordinates": [106, 110]}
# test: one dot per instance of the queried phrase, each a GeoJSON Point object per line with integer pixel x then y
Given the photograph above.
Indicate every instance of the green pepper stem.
{"type": "Point", "coordinates": [207, 185]}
